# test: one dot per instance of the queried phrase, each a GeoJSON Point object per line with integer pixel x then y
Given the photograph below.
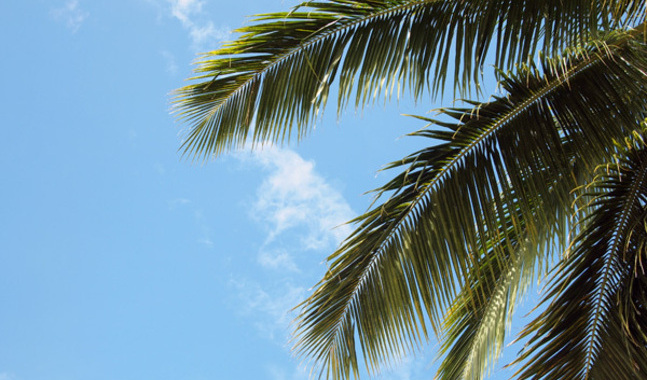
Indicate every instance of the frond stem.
{"type": "Point", "coordinates": [612, 253]}
{"type": "Point", "coordinates": [303, 46]}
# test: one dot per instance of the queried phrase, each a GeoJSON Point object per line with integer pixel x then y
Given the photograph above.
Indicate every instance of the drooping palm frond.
{"type": "Point", "coordinates": [475, 326]}
{"type": "Point", "coordinates": [594, 326]}
{"type": "Point", "coordinates": [498, 165]}
{"type": "Point", "coordinates": [279, 72]}
{"type": "Point", "coordinates": [618, 358]}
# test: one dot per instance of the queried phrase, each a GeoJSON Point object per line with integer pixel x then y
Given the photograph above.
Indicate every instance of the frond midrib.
{"type": "Point", "coordinates": [616, 238]}
{"type": "Point", "coordinates": [501, 288]}
{"type": "Point", "coordinates": [304, 46]}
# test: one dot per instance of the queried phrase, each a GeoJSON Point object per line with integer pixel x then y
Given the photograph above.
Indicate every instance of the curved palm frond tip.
{"type": "Point", "coordinates": [279, 72]}
{"type": "Point", "coordinates": [481, 213]}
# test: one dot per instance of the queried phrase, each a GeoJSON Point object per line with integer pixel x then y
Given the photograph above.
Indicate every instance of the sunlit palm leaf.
{"type": "Point", "coordinates": [593, 328]}
{"type": "Point", "coordinates": [280, 70]}
{"type": "Point", "coordinates": [499, 163]}
{"type": "Point", "coordinates": [475, 326]}
{"type": "Point", "coordinates": [476, 323]}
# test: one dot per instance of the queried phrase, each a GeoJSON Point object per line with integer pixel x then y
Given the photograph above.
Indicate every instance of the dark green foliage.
{"type": "Point", "coordinates": [473, 219]}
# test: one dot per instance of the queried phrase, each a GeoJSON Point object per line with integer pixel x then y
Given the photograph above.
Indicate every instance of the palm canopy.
{"type": "Point", "coordinates": [475, 217]}
{"type": "Point", "coordinates": [280, 70]}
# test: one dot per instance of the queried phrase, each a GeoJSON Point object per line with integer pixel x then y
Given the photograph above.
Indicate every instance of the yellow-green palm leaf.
{"type": "Point", "coordinates": [272, 82]}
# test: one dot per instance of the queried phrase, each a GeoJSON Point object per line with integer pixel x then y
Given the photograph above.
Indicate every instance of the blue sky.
{"type": "Point", "coordinates": [120, 260]}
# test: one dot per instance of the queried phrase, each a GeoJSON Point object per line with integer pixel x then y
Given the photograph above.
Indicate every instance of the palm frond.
{"type": "Point", "coordinates": [497, 164]}
{"type": "Point", "coordinates": [280, 70]}
{"type": "Point", "coordinates": [594, 325]}
{"type": "Point", "coordinates": [618, 358]}
{"type": "Point", "coordinates": [475, 326]}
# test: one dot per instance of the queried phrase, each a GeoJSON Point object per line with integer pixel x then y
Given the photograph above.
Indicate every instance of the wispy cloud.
{"type": "Point", "coordinates": [182, 9]}
{"type": "Point", "coordinates": [172, 204]}
{"type": "Point", "coordinates": [278, 373]}
{"type": "Point", "coordinates": [269, 307]}
{"type": "Point", "coordinates": [205, 233]}
{"type": "Point", "coordinates": [277, 260]}
{"type": "Point", "coordinates": [300, 211]}
{"type": "Point", "coordinates": [71, 15]}
{"type": "Point", "coordinates": [294, 195]}
{"type": "Point", "coordinates": [204, 34]}
{"type": "Point", "coordinates": [171, 64]}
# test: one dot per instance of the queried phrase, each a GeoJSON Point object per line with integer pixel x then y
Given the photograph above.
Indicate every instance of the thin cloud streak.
{"type": "Point", "coordinates": [278, 260]}
{"type": "Point", "coordinates": [270, 309]}
{"type": "Point", "coordinates": [171, 64]}
{"type": "Point", "coordinates": [203, 34]}
{"type": "Point", "coordinates": [278, 373]}
{"type": "Point", "coordinates": [71, 15]}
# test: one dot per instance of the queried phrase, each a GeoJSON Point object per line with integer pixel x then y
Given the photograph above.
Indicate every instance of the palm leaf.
{"type": "Point", "coordinates": [587, 330]}
{"type": "Point", "coordinates": [476, 323]}
{"type": "Point", "coordinates": [498, 164]}
{"type": "Point", "coordinates": [280, 70]}
{"type": "Point", "coordinates": [618, 357]}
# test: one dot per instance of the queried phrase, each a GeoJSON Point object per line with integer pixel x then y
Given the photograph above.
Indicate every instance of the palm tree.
{"type": "Point", "coordinates": [546, 181]}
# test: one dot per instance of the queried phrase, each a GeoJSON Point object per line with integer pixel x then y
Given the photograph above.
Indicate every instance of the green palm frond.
{"type": "Point", "coordinates": [594, 326]}
{"type": "Point", "coordinates": [476, 323]}
{"type": "Point", "coordinates": [502, 163]}
{"type": "Point", "coordinates": [475, 326]}
{"type": "Point", "coordinates": [278, 73]}
{"type": "Point", "coordinates": [618, 358]}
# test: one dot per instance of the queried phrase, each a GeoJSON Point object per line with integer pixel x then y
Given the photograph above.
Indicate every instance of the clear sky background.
{"type": "Point", "coordinates": [120, 260]}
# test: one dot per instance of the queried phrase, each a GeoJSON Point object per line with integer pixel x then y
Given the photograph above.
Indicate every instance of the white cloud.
{"type": "Point", "coordinates": [205, 35]}
{"type": "Point", "coordinates": [70, 14]}
{"type": "Point", "coordinates": [270, 308]}
{"type": "Point", "coordinates": [277, 260]}
{"type": "Point", "coordinates": [299, 210]}
{"type": "Point", "coordinates": [294, 195]}
{"type": "Point", "coordinates": [208, 36]}
{"type": "Point", "coordinates": [182, 9]}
